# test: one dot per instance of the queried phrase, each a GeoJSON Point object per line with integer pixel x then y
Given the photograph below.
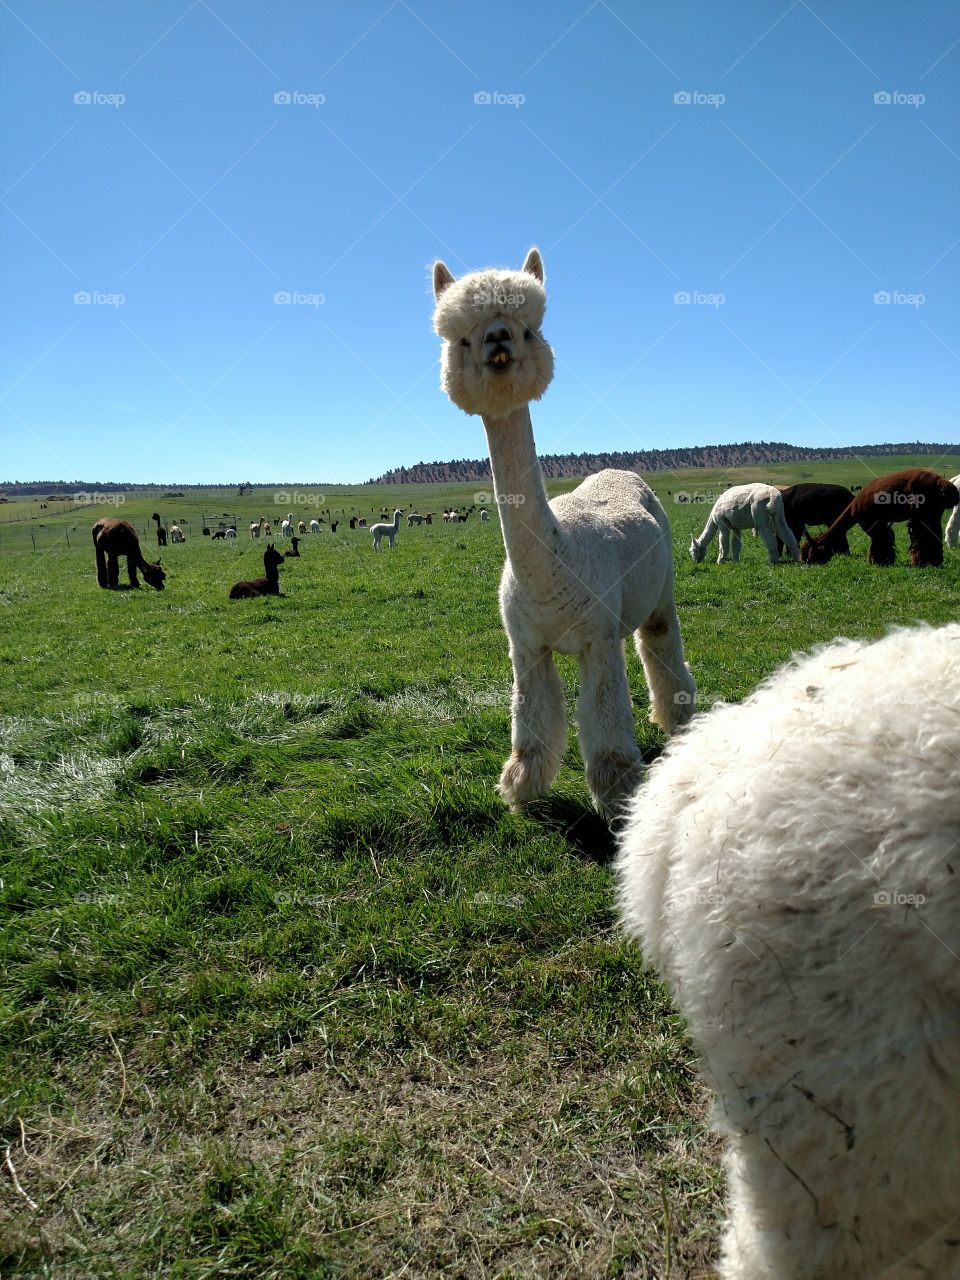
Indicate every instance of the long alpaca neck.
{"type": "Point", "coordinates": [530, 530]}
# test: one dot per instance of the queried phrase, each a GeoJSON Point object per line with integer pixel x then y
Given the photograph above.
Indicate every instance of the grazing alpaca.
{"type": "Point", "coordinates": [294, 552]}
{"type": "Point", "coordinates": [114, 538]}
{"type": "Point", "coordinates": [177, 534]}
{"type": "Point", "coordinates": [951, 533]}
{"type": "Point", "coordinates": [582, 572]}
{"type": "Point", "coordinates": [805, 504]}
{"type": "Point", "coordinates": [414, 518]}
{"type": "Point", "coordinates": [301, 527]}
{"type": "Point", "coordinates": [916, 495]}
{"type": "Point", "coordinates": [266, 586]}
{"type": "Point", "coordinates": [314, 526]}
{"type": "Point", "coordinates": [220, 533]}
{"type": "Point", "coordinates": [161, 531]}
{"type": "Point", "coordinates": [333, 525]}
{"type": "Point", "coordinates": [428, 519]}
{"type": "Point", "coordinates": [230, 533]}
{"type": "Point", "coordinates": [484, 515]}
{"type": "Point", "coordinates": [353, 522]}
{"type": "Point", "coordinates": [256, 527]}
{"type": "Point", "coordinates": [267, 529]}
{"type": "Point", "coordinates": [390, 531]}
{"type": "Point", "coordinates": [789, 866]}
{"type": "Point", "coordinates": [362, 522]}
{"type": "Point", "coordinates": [746, 506]}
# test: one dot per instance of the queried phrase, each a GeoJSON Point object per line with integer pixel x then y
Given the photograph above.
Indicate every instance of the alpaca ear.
{"type": "Point", "coordinates": [533, 264]}
{"type": "Point", "coordinates": [443, 277]}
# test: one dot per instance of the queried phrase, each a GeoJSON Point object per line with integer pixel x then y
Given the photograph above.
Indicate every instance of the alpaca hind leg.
{"type": "Point", "coordinates": [113, 570]}
{"type": "Point", "coordinates": [926, 540]}
{"type": "Point", "coordinates": [736, 542]}
{"type": "Point", "coordinates": [951, 535]}
{"type": "Point", "coordinates": [605, 727]}
{"type": "Point", "coordinates": [673, 690]}
{"type": "Point", "coordinates": [769, 539]}
{"type": "Point", "coordinates": [538, 727]}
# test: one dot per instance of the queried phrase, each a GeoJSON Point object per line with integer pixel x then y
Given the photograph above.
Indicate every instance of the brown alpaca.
{"type": "Point", "coordinates": [114, 538]}
{"type": "Point", "coordinates": [267, 586]}
{"type": "Point", "coordinates": [294, 552]}
{"type": "Point", "coordinates": [916, 495]}
{"type": "Point", "coordinates": [805, 504]}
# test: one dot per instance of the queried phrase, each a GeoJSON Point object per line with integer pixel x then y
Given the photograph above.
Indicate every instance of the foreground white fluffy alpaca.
{"type": "Point", "coordinates": [792, 867]}
{"type": "Point", "coordinates": [582, 571]}
{"type": "Point", "coordinates": [746, 506]}
{"type": "Point", "coordinates": [951, 534]}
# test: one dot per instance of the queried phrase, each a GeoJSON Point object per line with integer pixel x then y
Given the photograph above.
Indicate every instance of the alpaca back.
{"type": "Point", "coordinates": [792, 867]}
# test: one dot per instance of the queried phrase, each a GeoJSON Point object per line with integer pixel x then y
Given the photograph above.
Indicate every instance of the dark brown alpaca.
{"type": "Point", "coordinates": [294, 552]}
{"type": "Point", "coordinates": [161, 531]}
{"type": "Point", "coordinates": [805, 504]}
{"type": "Point", "coordinates": [916, 495]}
{"type": "Point", "coordinates": [267, 586]}
{"type": "Point", "coordinates": [114, 538]}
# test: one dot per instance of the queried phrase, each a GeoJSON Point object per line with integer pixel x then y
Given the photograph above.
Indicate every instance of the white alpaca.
{"type": "Point", "coordinates": [286, 526]}
{"type": "Point", "coordinates": [746, 506]}
{"type": "Point", "coordinates": [230, 533]}
{"type": "Point", "coordinates": [792, 867]}
{"type": "Point", "coordinates": [951, 534]}
{"type": "Point", "coordinates": [414, 518]}
{"type": "Point", "coordinates": [484, 515]}
{"type": "Point", "coordinates": [582, 571]}
{"type": "Point", "coordinates": [390, 531]}
{"type": "Point", "coordinates": [314, 526]}
{"type": "Point", "coordinates": [176, 534]}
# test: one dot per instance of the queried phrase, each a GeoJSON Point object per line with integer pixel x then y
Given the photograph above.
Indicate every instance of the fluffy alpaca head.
{"type": "Point", "coordinates": [153, 574]}
{"type": "Point", "coordinates": [697, 552]}
{"type": "Point", "coordinates": [494, 358]}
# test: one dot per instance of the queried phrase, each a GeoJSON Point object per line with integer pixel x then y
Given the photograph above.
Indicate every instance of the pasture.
{"type": "Point", "coordinates": [286, 992]}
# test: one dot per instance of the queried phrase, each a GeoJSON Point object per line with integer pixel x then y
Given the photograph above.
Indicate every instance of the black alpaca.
{"type": "Point", "coordinates": [333, 525]}
{"type": "Point", "coordinates": [806, 504]}
{"type": "Point", "coordinates": [115, 538]}
{"type": "Point", "coordinates": [266, 586]}
{"type": "Point", "coordinates": [161, 531]}
{"type": "Point", "coordinates": [353, 522]}
{"type": "Point", "coordinates": [294, 552]}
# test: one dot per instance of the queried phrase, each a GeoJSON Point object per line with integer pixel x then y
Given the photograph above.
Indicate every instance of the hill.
{"type": "Point", "coordinates": [567, 465]}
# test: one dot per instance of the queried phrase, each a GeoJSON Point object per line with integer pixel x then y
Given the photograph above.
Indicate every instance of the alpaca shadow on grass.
{"type": "Point", "coordinates": [589, 834]}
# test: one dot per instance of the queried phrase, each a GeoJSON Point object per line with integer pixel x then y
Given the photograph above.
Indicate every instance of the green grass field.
{"type": "Point", "coordinates": [285, 991]}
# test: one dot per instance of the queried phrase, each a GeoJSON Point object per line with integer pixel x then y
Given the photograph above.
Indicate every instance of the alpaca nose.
{"type": "Point", "coordinates": [496, 333]}
{"type": "Point", "coordinates": [497, 345]}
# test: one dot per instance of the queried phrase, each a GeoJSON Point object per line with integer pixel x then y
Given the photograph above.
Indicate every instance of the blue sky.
{"type": "Point", "coordinates": [781, 197]}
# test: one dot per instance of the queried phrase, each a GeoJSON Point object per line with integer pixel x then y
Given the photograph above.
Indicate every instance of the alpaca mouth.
{"type": "Point", "coordinates": [500, 361]}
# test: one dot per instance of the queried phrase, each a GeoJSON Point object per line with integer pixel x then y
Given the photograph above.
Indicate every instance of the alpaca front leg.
{"type": "Point", "coordinates": [673, 690]}
{"type": "Point", "coordinates": [103, 579]}
{"type": "Point", "coordinates": [132, 571]}
{"type": "Point", "coordinates": [605, 727]}
{"type": "Point", "coordinates": [538, 728]}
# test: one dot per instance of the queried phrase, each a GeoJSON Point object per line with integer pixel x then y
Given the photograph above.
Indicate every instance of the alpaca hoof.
{"type": "Point", "coordinates": [613, 778]}
{"type": "Point", "coordinates": [526, 776]}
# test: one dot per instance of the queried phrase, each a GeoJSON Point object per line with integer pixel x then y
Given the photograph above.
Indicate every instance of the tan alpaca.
{"type": "Point", "coordinates": [582, 571]}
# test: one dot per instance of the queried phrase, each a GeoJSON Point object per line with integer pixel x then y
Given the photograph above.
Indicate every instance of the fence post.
{"type": "Point", "coordinates": [33, 538]}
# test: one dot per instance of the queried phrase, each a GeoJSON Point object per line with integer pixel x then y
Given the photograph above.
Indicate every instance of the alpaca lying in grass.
{"type": "Point", "coordinates": [269, 585]}
{"type": "Point", "coordinates": [583, 572]}
{"type": "Point", "coordinates": [115, 538]}
{"type": "Point", "coordinates": [791, 865]}
{"type": "Point", "coordinates": [294, 552]}
{"type": "Point", "coordinates": [746, 506]}
{"type": "Point", "coordinates": [916, 495]}
{"type": "Point", "coordinates": [951, 534]}
{"type": "Point", "coordinates": [381, 531]}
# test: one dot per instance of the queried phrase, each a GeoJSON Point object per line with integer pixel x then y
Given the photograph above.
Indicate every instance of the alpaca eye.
{"type": "Point", "coordinates": [464, 342]}
{"type": "Point", "coordinates": [528, 334]}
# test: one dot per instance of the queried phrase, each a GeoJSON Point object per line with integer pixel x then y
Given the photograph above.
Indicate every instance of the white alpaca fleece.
{"type": "Point", "coordinates": [746, 506]}
{"type": "Point", "coordinates": [483, 296]}
{"type": "Point", "coordinates": [792, 867]}
{"type": "Point", "coordinates": [951, 534]}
